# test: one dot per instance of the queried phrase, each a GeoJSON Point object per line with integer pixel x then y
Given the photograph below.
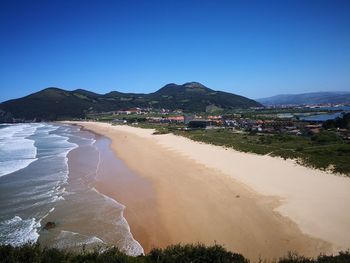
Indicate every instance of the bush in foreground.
{"type": "Point", "coordinates": [194, 253]}
{"type": "Point", "coordinates": [173, 254]}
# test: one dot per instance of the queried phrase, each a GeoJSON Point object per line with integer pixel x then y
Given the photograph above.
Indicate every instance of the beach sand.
{"type": "Point", "coordinates": [259, 206]}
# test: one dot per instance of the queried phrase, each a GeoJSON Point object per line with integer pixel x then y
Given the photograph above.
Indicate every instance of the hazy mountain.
{"type": "Point", "coordinates": [54, 103]}
{"type": "Point", "coordinates": [307, 98]}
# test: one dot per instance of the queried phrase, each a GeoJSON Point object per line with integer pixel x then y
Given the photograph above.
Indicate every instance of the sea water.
{"type": "Point", "coordinates": [38, 185]}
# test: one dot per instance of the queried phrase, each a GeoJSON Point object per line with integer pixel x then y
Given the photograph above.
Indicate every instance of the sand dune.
{"type": "Point", "coordinates": [259, 206]}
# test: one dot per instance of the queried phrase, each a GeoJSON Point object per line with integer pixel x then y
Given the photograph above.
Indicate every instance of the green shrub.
{"type": "Point", "coordinates": [198, 253]}
{"type": "Point", "coordinates": [343, 257]}
{"type": "Point", "coordinates": [194, 253]}
{"type": "Point", "coordinates": [299, 149]}
{"type": "Point", "coordinates": [325, 137]}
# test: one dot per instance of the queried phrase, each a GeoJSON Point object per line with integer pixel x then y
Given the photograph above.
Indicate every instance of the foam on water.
{"type": "Point", "coordinates": [64, 239]}
{"type": "Point", "coordinates": [17, 151]}
{"type": "Point", "coordinates": [17, 231]}
{"type": "Point", "coordinates": [129, 245]}
{"type": "Point", "coordinates": [21, 145]}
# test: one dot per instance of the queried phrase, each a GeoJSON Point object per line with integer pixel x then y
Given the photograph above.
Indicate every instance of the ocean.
{"type": "Point", "coordinates": [48, 174]}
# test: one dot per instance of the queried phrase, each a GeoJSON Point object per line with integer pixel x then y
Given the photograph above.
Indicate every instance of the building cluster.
{"type": "Point", "coordinates": [285, 126]}
{"type": "Point", "coordinates": [234, 122]}
{"type": "Point", "coordinates": [142, 111]}
{"type": "Point", "coordinates": [278, 125]}
{"type": "Point", "coordinates": [167, 119]}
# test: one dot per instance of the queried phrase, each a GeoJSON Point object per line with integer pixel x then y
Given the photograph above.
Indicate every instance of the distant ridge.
{"type": "Point", "coordinates": [54, 103]}
{"type": "Point", "coordinates": [333, 97]}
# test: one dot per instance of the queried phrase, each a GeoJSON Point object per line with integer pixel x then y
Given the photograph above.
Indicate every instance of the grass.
{"type": "Point", "coordinates": [34, 253]}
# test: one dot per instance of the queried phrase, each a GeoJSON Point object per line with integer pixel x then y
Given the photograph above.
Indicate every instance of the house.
{"type": "Point", "coordinates": [200, 124]}
{"type": "Point", "coordinates": [154, 119]}
{"type": "Point", "coordinates": [130, 111]}
{"type": "Point", "coordinates": [134, 110]}
{"type": "Point", "coordinates": [176, 119]}
{"type": "Point", "coordinates": [188, 118]}
{"type": "Point", "coordinates": [118, 121]}
{"type": "Point", "coordinates": [218, 120]}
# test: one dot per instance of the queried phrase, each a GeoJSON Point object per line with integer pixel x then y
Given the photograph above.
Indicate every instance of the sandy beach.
{"type": "Point", "coordinates": [259, 206]}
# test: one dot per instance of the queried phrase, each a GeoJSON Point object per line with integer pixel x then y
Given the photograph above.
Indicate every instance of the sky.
{"type": "Point", "coordinates": [251, 48]}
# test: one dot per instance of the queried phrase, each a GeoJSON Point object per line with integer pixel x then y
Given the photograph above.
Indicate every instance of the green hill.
{"type": "Point", "coordinates": [54, 103]}
{"type": "Point", "coordinates": [195, 97]}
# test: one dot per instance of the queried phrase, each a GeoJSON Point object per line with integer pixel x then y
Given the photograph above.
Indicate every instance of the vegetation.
{"type": "Point", "coordinates": [326, 150]}
{"type": "Point", "coordinates": [55, 104]}
{"type": "Point", "coordinates": [172, 254]}
{"type": "Point", "coordinates": [340, 122]}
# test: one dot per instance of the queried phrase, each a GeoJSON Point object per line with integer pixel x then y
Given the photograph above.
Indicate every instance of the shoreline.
{"type": "Point", "coordinates": [253, 202]}
{"type": "Point", "coordinates": [122, 189]}
{"type": "Point", "coordinates": [122, 185]}
{"type": "Point", "coordinates": [85, 215]}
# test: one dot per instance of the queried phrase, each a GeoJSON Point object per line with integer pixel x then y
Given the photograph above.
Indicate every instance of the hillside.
{"type": "Point", "coordinates": [54, 103]}
{"type": "Point", "coordinates": [307, 98]}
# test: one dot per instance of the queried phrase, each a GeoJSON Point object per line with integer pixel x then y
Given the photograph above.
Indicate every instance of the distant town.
{"type": "Point", "coordinates": [296, 120]}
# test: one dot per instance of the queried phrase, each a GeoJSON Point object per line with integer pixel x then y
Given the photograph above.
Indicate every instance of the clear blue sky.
{"type": "Point", "coordinates": [252, 48]}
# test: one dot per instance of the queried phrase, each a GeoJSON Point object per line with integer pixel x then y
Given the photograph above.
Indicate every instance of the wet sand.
{"type": "Point", "coordinates": [88, 216]}
{"type": "Point", "coordinates": [136, 193]}
{"type": "Point", "coordinates": [194, 201]}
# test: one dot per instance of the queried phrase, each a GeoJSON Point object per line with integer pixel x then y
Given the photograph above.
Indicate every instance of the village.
{"type": "Point", "coordinates": [252, 121]}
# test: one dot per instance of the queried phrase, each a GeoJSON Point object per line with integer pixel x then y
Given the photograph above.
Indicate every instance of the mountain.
{"type": "Point", "coordinates": [307, 98]}
{"type": "Point", "coordinates": [55, 103]}
{"type": "Point", "coordinates": [195, 97]}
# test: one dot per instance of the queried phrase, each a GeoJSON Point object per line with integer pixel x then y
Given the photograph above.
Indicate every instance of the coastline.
{"type": "Point", "coordinates": [83, 215]}
{"type": "Point", "coordinates": [217, 202]}
{"type": "Point", "coordinates": [119, 183]}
